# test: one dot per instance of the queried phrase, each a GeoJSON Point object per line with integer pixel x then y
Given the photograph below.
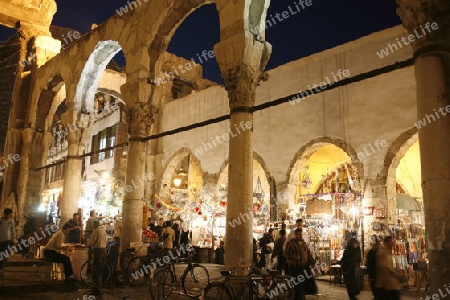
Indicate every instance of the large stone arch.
{"type": "Point", "coordinates": [236, 17]}
{"type": "Point", "coordinates": [309, 148]}
{"type": "Point", "coordinates": [49, 79]}
{"type": "Point", "coordinates": [387, 175]}
{"type": "Point", "coordinates": [261, 169]}
{"type": "Point", "coordinates": [256, 157]}
{"type": "Point", "coordinates": [103, 52]}
{"type": "Point", "coordinates": [174, 161]}
{"type": "Point", "coordinates": [46, 104]}
{"type": "Point", "coordinates": [395, 153]}
{"type": "Point", "coordinates": [165, 29]}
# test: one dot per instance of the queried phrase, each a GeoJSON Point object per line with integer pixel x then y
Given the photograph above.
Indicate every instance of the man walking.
{"type": "Point", "coordinates": [98, 244]}
{"type": "Point", "coordinates": [299, 225]}
{"type": "Point", "coordinates": [371, 264]}
{"type": "Point", "coordinates": [278, 251]}
{"type": "Point", "coordinates": [89, 225]}
{"type": "Point", "coordinates": [388, 280]}
{"type": "Point", "coordinates": [7, 237]}
{"type": "Point", "coordinates": [267, 244]}
{"type": "Point", "coordinates": [159, 228]}
{"type": "Point", "coordinates": [168, 235]}
{"type": "Point", "coordinates": [297, 257]}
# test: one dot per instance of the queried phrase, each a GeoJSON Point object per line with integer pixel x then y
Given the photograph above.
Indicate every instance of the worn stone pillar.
{"type": "Point", "coordinates": [155, 152]}
{"type": "Point", "coordinates": [241, 70]}
{"type": "Point", "coordinates": [29, 185]}
{"type": "Point", "coordinates": [431, 20]}
{"type": "Point", "coordinates": [36, 47]}
{"type": "Point", "coordinates": [74, 121]}
{"type": "Point", "coordinates": [139, 117]}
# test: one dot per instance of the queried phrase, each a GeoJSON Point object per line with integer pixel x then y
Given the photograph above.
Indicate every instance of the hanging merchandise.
{"type": "Point", "coordinates": [305, 178]}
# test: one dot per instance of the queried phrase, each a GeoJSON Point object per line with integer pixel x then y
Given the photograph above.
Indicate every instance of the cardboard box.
{"type": "Point", "coordinates": [140, 249]}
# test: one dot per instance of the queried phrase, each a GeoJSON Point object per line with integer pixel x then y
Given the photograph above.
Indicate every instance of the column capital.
{"type": "Point", "coordinates": [427, 20]}
{"type": "Point", "coordinates": [76, 125]}
{"type": "Point", "coordinates": [140, 116]}
{"type": "Point", "coordinates": [27, 136]}
{"type": "Point", "coordinates": [138, 90]}
{"type": "Point", "coordinates": [242, 59]}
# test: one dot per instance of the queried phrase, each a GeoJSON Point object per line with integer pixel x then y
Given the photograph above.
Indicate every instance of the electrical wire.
{"type": "Point", "coordinates": [263, 106]}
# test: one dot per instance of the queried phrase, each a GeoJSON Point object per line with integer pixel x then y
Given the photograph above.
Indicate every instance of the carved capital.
{"type": "Point", "coordinates": [76, 126]}
{"type": "Point", "coordinates": [241, 82]}
{"type": "Point", "coordinates": [418, 17]}
{"type": "Point", "coordinates": [140, 117]}
{"type": "Point", "coordinates": [242, 60]}
{"type": "Point", "coordinates": [138, 90]}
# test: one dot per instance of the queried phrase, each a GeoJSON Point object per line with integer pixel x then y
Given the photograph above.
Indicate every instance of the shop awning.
{"type": "Point", "coordinates": [406, 202]}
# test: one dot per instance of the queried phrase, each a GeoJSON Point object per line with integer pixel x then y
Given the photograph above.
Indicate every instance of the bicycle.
{"type": "Point", "coordinates": [164, 279]}
{"type": "Point", "coordinates": [256, 285]}
{"type": "Point", "coordinates": [137, 268]}
{"type": "Point", "coordinates": [110, 270]}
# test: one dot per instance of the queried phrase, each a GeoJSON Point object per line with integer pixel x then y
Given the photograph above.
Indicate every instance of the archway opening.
{"type": "Point", "coordinates": [182, 191]}
{"type": "Point", "coordinates": [99, 60]}
{"type": "Point", "coordinates": [189, 64]}
{"type": "Point", "coordinates": [262, 209]}
{"type": "Point", "coordinates": [328, 197]}
{"type": "Point", "coordinates": [410, 223]}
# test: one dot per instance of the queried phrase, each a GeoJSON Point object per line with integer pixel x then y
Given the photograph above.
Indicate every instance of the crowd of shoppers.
{"type": "Point", "coordinates": [385, 280]}
{"type": "Point", "coordinates": [290, 254]}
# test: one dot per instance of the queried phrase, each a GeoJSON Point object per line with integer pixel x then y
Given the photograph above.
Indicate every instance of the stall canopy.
{"type": "Point", "coordinates": [406, 202]}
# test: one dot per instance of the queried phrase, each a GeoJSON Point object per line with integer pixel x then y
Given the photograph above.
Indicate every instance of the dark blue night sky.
{"type": "Point", "coordinates": [325, 24]}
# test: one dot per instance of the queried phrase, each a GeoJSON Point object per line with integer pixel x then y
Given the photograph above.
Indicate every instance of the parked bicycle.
{"type": "Point", "coordinates": [110, 270]}
{"type": "Point", "coordinates": [163, 279]}
{"type": "Point", "coordinates": [139, 267]}
{"type": "Point", "coordinates": [256, 285]}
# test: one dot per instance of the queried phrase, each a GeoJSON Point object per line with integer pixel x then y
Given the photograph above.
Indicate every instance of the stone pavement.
{"type": "Point", "coordinates": [326, 292]}
{"type": "Point", "coordinates": [21, 282]}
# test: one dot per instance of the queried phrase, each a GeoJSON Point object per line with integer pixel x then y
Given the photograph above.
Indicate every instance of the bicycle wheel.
{"type": "Point", "coordinates": [86, 273]}
{"type": "Point", "coordinates": [161, 283]}
{"type": "Point", "coordinates": [138, 271]}
{"type": "Point", "coordinates": [282, 288]}
{"type": "Point", "coordinates": [194, 280]}
{"type": "Point", "coordinates": [217, 291]}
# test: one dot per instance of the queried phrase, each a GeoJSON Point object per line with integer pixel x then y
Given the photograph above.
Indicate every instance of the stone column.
{"type": "Point", "coordinates": [139, 118]}
{"type": "Point", "coordinates": [430, 19]}
{"type": "Point", "coordinates": [28, 190]}
{"type": "Point", "coordinates": [241, 70]}
{"type": "Point", "coordinates": [76, 125]}
{"type": "Point", "coordinates": [44, 48]}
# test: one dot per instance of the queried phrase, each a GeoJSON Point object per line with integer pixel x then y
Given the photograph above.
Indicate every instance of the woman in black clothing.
{"type": "Point", "coordinates": [351, 267]}
{"type": "Point", "coordinates": [176, 228]}
{"type": "Point", "coordinates": [278, 252]}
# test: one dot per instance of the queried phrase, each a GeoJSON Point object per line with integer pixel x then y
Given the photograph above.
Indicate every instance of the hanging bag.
{"type": "Point", "coordinates": [309, 285]}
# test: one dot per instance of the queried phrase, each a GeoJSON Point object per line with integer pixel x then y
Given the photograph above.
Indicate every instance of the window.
{"type": "Point", "coordinates": [102, 145]}
{"type": "Point", "coordinates": [94, 147]}
{"type": "Point", "coordinates": [112, 141]}
{"type": "Point", "coordinates": [102, 140]}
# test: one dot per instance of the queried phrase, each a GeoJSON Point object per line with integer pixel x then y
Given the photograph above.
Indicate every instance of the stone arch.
{"type": "Point", "coordinates": [175, 16]}
{"type": "Point", "coordinates": [308, 149]}
{"type": "Point", "coordinates": [87, 85]}
{"type": "Point", "coordinates": [110, 92]}
{"type": "Point", "coordinates": [256, 158]}
{"type": "Point", "coordinates": [175, 160]}
{"type": "Point", "coordinates": [395, 152]}
{"type": "Point", "coordinates": [52, 85]}
{"type": "Point", "coordinates": [257, 12]}
{"type": "Point", "coordinates": [387, 175]}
